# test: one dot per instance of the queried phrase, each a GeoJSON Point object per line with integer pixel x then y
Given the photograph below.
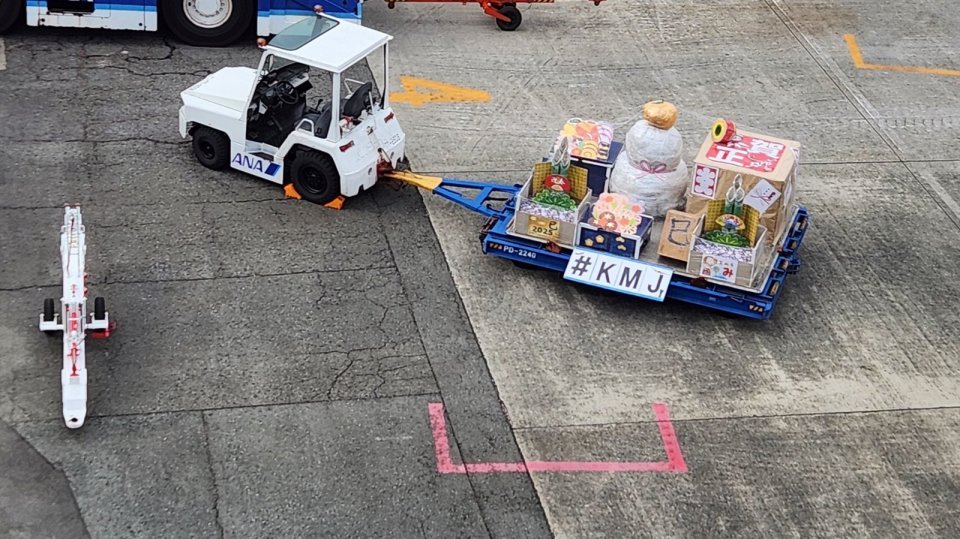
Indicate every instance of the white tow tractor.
{"type": "Point", "coordinates": [73, 319]}
{"type": "Point", "coordinates": [260, 121]}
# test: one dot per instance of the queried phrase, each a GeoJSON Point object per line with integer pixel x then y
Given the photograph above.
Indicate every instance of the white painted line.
{"type": "Point", "coordinates": [3, 56]}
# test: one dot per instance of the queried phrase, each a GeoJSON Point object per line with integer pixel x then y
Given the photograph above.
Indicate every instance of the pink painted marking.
{"type": "Point", "coordinates": [445, 465]}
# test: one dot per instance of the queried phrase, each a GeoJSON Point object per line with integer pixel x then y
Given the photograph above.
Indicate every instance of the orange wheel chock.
{"type": "Point", "coordinates": [336, 203]}
{"type": "Point", "coordinates": [291, 191]}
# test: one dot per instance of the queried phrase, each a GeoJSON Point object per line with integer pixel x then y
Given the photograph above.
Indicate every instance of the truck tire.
{"type": "Point", "coordinates": [48, 310]}
{"type": "Point", "coordinates": [315, 177]}
{"type": "Point", "coordinates": [10, 12]}
{"type": "Point", "coordinates": [207, 23]}
{"type": "Point", "coordinates": [99, 308]}
{"type": "Point", "coordinates": [211, 147]}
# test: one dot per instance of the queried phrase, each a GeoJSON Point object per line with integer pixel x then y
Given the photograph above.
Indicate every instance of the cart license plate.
{"type": "Point", "coordinates": [619, 274]}
{"type": "Point", "coordinates": [544, 228]}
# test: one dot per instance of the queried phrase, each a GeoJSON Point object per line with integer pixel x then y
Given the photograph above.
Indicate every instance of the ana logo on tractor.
{"type": "Point", "coordinates": [255, 164]}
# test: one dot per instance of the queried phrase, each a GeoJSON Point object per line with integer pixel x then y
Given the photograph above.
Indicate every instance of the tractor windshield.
{"type": "Point", "coordinates": [303, 32]}
{"type": "Point", "coordinates": [377, 62]}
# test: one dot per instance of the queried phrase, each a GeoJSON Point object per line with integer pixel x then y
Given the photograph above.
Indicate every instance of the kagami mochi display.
{"type": "Point", "coordinates": [651, 167]}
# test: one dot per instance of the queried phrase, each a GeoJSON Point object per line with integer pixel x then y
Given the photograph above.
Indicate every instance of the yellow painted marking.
{"type": "Point", "coordinates": [858, 62]}
{"type": "Point", "coordinates": [436, 92]}
{"type": "Point", "coordinates": [424, 182]}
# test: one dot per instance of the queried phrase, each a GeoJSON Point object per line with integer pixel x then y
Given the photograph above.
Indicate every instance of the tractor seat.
{"type": "Point", "coordinates": [354, 106]}
{"type": "Point", "coordinates": [321, 121]}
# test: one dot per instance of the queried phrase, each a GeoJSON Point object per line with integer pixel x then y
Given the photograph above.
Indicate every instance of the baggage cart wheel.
{"type": "Point", "coordinates": [99, 308]}
{"type": "Point", "coordinates": [510, 11]}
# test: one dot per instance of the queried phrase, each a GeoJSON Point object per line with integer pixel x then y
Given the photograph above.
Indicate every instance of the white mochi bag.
{"type": "Point", "coordinates": [651, 168]}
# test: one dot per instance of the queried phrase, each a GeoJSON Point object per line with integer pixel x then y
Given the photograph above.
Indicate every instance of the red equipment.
{"type": "Point", "coordinates": [506, 13]}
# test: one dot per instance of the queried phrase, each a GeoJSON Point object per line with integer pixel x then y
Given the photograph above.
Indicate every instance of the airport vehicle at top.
{"type": "Point", "coordinates": [195, 22]}
{"type": "Point", "coordinates": [260, 121]}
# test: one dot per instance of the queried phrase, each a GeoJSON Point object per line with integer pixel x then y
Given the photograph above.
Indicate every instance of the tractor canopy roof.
{"type": "Point", "coordinates": [326, 43]}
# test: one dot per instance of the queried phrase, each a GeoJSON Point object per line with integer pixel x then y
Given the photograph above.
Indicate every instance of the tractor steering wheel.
{"type": "Point", "coordinates": [287, 93]}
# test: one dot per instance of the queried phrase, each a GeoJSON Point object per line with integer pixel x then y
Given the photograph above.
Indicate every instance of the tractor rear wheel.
{"type": "Point", "coordinates": [510, 11]}
{"type": "Point", "coordinates": [315, 177]}
{"type": "Point", "coordinates": [211, 147]}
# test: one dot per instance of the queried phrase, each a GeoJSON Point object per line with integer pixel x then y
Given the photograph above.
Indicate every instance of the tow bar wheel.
{"type": "Point", "coordinates": [511, 12]}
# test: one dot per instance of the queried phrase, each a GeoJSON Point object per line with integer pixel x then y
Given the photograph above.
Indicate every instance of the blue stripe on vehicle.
{"type": "Point", "coordinates": [130, 3]}
{"type": "Point", "coordinates": [272, 169]}
{"type": "Point", "coordinates": [115, 5]}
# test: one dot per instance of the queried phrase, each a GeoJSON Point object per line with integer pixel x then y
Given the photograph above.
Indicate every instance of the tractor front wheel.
{"type": "Point", "coordinates": [315, 177]}
{"type": "Point", "coordinates": [511, 12]}
{"type": "Point", "coordinates": [211, 147]}
{"type": "Point", "coordinates": [99, 308]}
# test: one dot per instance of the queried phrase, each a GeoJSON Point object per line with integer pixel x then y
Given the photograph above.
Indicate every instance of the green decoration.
{"type": "Point", "coordinates": [726, 237]}
{"type": "Point", "coordinates": [557, 199]}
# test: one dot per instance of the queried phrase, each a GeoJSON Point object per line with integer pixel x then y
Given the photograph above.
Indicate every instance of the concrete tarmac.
{"type": "Point", "coordinates": [838, 416]}
{"type": "Point", "coordinates": [275, 360]}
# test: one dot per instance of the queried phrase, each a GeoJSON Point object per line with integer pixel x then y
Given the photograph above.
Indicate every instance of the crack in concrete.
{"type": "Point", "coordinates": [201, 279]}
{"type": "Point", "coordinates": [431, 394]}
{"type": "Point", "coordinates": [156, 204]}
{"type": "Point", "coordinates": [94, 141]}
{"type": "Point", "coordinates": [213, 475]}
{"type": "Point", "coordinates": [740, 418]}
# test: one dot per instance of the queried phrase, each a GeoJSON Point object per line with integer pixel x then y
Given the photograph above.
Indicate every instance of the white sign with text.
{"type": "Point", "coordinates": [618, 273]}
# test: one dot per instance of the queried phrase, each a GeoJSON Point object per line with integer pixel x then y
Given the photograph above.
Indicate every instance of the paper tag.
{"type": "Point", "coordinates": [544, 228]}
{"type": "Point", "coordinates": [705, 181]}
{"type": "Point", "coordinates": [748, 152]}
{"type": "Point", "coordinates": [719, 268]}
{"type": "Point", "coordinates": [762, 196]}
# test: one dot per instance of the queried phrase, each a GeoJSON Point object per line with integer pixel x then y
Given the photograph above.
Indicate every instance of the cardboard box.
{"type": "Point", "coordinates": [591, 147]}
{"type": "Point", "coordinates": [626, 245]}
{"type": "Point", "coordinates": [551, 225]}
{"type": "Point", "coordinates": [768, 167]}
{"type": "Point", "coordinates": [725, 263]}
{"type": "Point", "coordinates": [675, 236]}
